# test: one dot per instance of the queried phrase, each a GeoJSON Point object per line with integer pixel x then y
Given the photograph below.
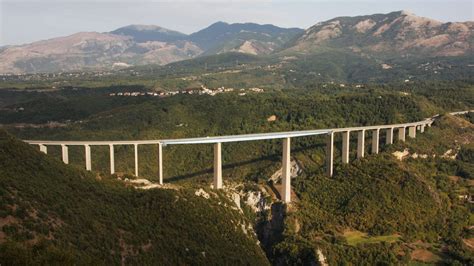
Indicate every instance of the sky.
{"type": "Point", "coordinates": [24, 21]}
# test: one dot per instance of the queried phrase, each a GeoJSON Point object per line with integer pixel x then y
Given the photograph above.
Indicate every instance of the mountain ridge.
{"type": "Point", "coordinates": [212, 37]}
{"type": "Point", "coordinates": [398, 34]}
{"type": "Point", "coordinates": [143, 33]}
{"type": "Point", "coordinates": [395, 32]}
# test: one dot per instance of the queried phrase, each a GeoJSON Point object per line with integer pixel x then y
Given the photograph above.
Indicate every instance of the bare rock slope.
{"type": "Point", "coordinates": [398, 33]}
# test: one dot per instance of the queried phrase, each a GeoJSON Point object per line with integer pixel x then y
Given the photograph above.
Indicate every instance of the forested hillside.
{"type": "Point", "coordinates": [51, 213]}
{"type": "Point", "coordinates": [380, 210]}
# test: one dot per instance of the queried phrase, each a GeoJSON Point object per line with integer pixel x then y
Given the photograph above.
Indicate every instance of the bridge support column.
{"type": "Point", "coordinates": [330, 154]}
{"type": "Point", "coordinates": [345, 146]}
{"type": "Point", "coordinates": [112, 159]}
{"type": "Point", "coordinates": [87, 150]}
{"type": "Point", "coordinates": [285, 171]}
{"type": "Point", "coordinates": [217, 165]}
{"type": "Point", "coordinates": [160, 163]}
{"type": "Point", "coordinates": [389, 139]}
{"type": "Point", "coordinates": [375, 141]}
{"type": "Point", "coordinates": [401, 134]}
{"type": "Point", "coordinates": [422, 129]}
{"type": "Point", "coordinates": [65, 153]}
{"type": "Point", "coordinates": [136, 159]}
{"type": "Point", "coordinates": [360, 143]}
{"type": "Point", "coordinates": [412, 132]}
{"type": "Point", "coordinates": [43, 149]}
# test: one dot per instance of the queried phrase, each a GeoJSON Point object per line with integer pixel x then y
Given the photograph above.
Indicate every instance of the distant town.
{"type": "Point", "coordinates": [203, 90]}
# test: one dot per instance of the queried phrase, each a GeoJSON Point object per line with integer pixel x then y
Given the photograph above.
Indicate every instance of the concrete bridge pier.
{"type": "Point", "coordinates": [345, 146]}
{"type": "Point", "coordinates": [136, 159]}
{"type": "Point", "coordinates": [65, 153]}
{"type": "Point", "coordinates": [330, 154]}
{"type": "Point", "coordinates": [87, 151]}
{"type": "Point", "coordinates": [375, 141]}
{"type": "Point", "coordinates": [112, 159]}
{"type": "Point", "coordinates": [412, 132]}
{"type": "Point", "coordinates": [160, 163]}
{"type": "Point", "coordinates": [217, 165]}
{"type": "Point", "coordinates": [422, 128]}
{"type": "Point", "coordinates": [401, 134]}
{"type": "Point", "coordinates": [389, 139]}
{"type": "Point", "coordinates": [285, 171]}
{"type": "Point", "coordinates": [43, 149]}
{"type": "Point", "coordinates": [360, 144]}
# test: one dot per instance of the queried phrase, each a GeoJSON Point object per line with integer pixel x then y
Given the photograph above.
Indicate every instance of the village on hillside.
{"type": "Point", "coordinates": [203, 90]}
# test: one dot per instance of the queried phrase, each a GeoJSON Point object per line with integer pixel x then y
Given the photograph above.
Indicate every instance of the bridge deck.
{"type": "Point", "coordinates": [230, 138]}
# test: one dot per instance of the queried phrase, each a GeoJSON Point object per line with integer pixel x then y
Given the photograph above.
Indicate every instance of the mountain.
{"type": "Point", "coordinates": [91, 50]}
{"type": "Point", "coordinates": [52, 213]}
{"type": "Point", "coordinates": [242, 37]}
{"type": "Point", "coordinates": [145, 33]}
{"type": "Point", "coordinates": [139, 45]}
{"type": "Point", "coordinates": [397, 34]}
{"type": "Point", "coordinates": [389, 47]}
{"type": "Point", "coordinates": [81, 49]}
{"type": "Point", "coordinates": [368, 40]}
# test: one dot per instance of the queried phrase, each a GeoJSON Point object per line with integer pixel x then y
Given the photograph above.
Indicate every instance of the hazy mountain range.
{"type": "Point", "coordinates": [397, 34]}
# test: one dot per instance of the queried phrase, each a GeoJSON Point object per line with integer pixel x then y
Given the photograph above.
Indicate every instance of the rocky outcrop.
{"type": "Point", "coordinates": [294, 171]}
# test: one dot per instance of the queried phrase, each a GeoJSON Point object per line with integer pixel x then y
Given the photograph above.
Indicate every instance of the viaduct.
{"type": "Point", "coordinates": [389, 130]}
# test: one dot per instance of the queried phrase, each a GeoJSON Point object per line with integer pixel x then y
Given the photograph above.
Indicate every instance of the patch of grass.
{"type": "Point", "coordinates": [354, 238]}
{"type": "Point", "coordinates": [424, 256]}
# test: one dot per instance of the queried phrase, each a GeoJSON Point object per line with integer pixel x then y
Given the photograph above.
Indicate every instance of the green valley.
{"type": "Point", "coordinates": [350, 142]}
{"type": "Point", "coordinates": [387, 204]}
